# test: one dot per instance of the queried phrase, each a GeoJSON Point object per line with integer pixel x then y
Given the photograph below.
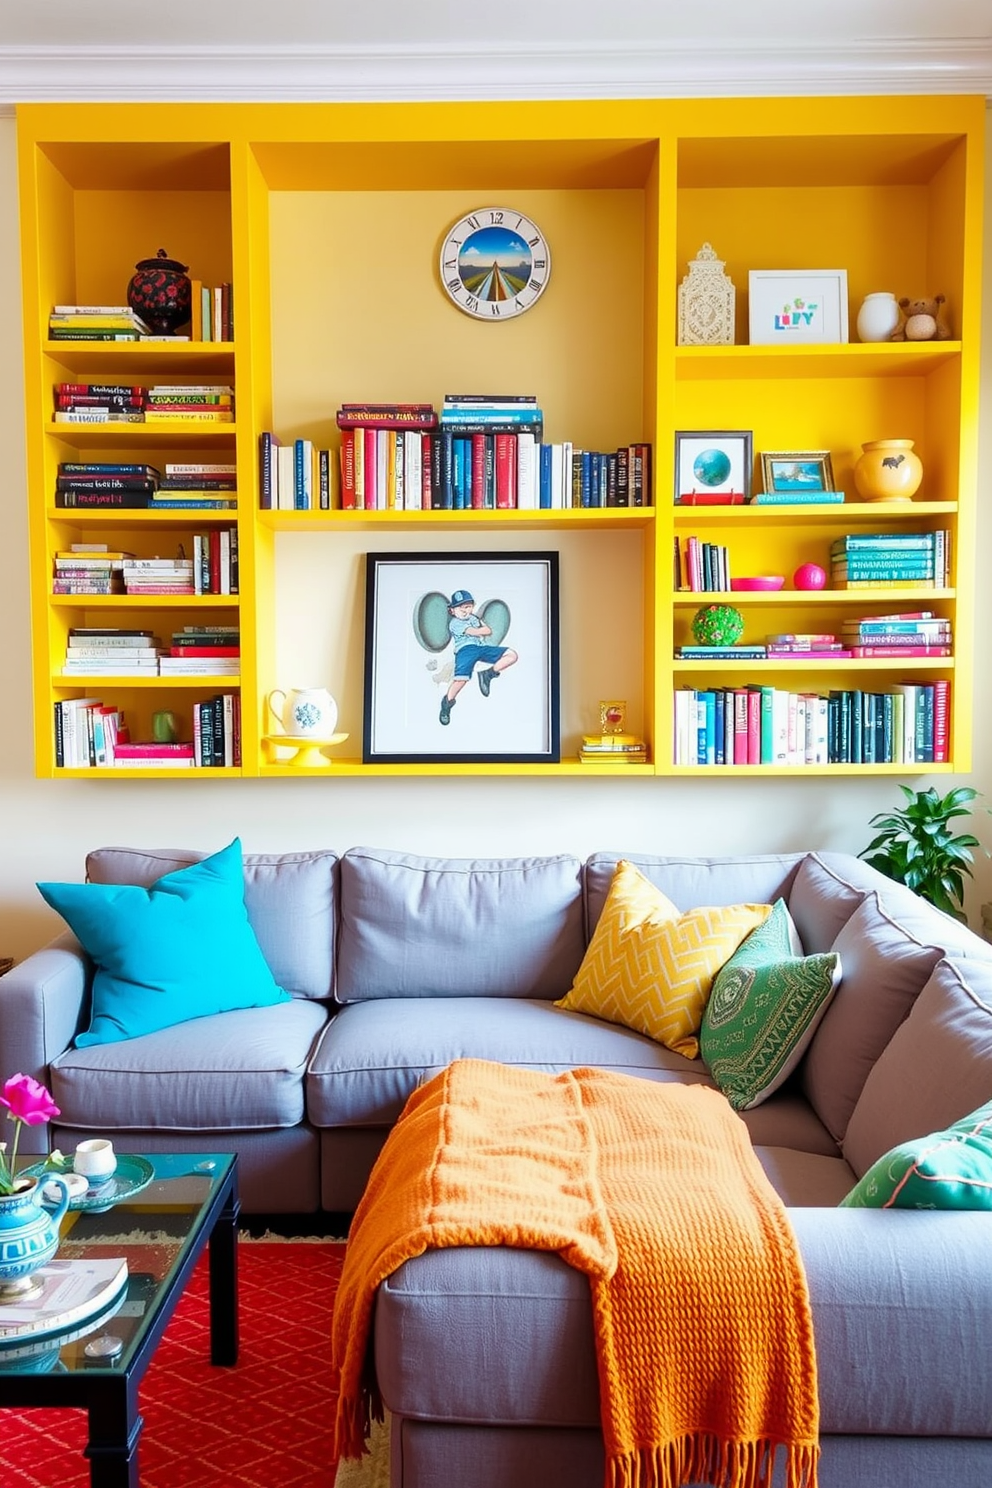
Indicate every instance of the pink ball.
{"type": "Point", "coordinates": [810, 576]}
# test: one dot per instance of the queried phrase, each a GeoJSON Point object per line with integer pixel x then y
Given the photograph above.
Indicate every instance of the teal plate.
{"type": "Point", "coordinates": [132, 1175]}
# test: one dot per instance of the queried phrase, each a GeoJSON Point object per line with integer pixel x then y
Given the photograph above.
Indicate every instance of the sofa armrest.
{"type": "Point", "coordinates": [43, 1003]}
{"type": "Point", "coordinates": [902, 1315]}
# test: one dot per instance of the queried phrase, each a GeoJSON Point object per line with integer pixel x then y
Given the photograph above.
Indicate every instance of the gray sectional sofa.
{"type": "Point", "coordinates": [399, 964]}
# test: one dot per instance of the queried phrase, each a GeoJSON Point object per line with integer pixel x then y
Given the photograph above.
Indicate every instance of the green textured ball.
{"type": "Point", "coordinates": [717, 625]}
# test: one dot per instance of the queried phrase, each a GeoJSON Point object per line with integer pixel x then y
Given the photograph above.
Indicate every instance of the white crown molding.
{"type": "Point", "coordinates": [292, 73]}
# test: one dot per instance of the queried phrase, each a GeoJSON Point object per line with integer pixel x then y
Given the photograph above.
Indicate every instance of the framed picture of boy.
{"type": "Point", "coordinates": [461, 658]}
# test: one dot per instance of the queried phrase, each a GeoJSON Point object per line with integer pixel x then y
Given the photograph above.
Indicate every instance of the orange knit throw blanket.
{"type": "Point", "coordinates": [701, 1314]}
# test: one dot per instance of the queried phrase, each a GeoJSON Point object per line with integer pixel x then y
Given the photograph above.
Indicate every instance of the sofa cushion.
{"type": "Point", "coordinates": [374, 1054]}
{"type": "Point", "coordinates": [232, 1072]}
{"type": "Point", "coordinates": [178, 950]}
{"type": "Point", "coordinates": [457, 927]}
{"type": "Point", "coordinates": [950, 1169]}
{"type": "Point", "coordinates": [805, 1180]}
{"type": "Point", "coordinates": [937, 1066]}
{"type": "Point", "coordinates": [650, 968]}
{"type": "Point", "coordinates": [763, 1010]}
{"type": "Point", "coordinates": [826, 891]}
{"type": "Point", "coordinates": [291, 899]}
{"type": "Point", "coordinates": [885, 968]}
{"type": "Point", "coordinates": [689, 882]}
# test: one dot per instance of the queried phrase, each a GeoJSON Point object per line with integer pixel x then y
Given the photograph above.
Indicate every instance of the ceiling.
{"type": "Point", "coordinates": [62, 49]}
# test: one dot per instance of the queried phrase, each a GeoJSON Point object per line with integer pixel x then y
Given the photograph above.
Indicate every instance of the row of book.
{"type": "Point", "coordinates": [206, 403]}
{"type": "Point", "coordinates": [184, 485]}
{"type": "Point", "coordinates": [757, 725]}
{"type": "Point", "coordinates": [212, 307]}
{"type": "Point", "coordinates": [93, 568]}
{"type": "Point", "coordinates": [871, 560]}
{"type": "Point", "coordinates": [296, 476]}
{"type": "Point", "coordinates": [90, 734]}
{"type": "Point", "coordinates": [194, 650]}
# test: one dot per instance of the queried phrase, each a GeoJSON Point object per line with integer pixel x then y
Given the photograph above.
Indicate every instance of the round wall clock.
{"type": "Point", "coordinates": [495, 263]}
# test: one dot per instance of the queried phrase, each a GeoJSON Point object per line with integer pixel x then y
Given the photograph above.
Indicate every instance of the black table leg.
{"type": "Point", "coordinates": [224, 1281]}
{"type": "Point", "coordinates": [115, 1430]}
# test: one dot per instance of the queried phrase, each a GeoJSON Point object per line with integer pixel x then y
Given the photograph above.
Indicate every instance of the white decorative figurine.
{"type": "Point", "coordinates": [706, 302]}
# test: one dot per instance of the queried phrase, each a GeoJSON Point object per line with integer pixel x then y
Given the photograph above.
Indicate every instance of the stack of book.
{"type": "Point", "coordinates": [890, 560]}
{"type": "Point", "coordinates": [200, 403]}
{"type": "Point", "coordinates": [105, 484]}
{"type": "Point", "coordinates": [489, 451]}
{"type": "Point", "coordinates": [152, 754]}
{"type": "Point", "coordinates": [99, 403]}
{"type": "Point", "coordinates": [808, 645]}
{"type": "Point", "coordinates": [296, 476]}
{"type": "Point", "coordinates": [742, 651]}
{"type": "Point", "coordinates": [89, 568]}
{"type": "Point", "coordinates": [217, 731]}
{"type": "Point", "coordinates": [796, 498]}
{"type": "Point", "coordinates": [96, 323]}
{"type": "Point", "coordinates": [194, 484]}
{"type": "Point", "coordinates": [916, 633]}
{"type": "Point", "coordinates": [158, 576]}
{"type": "Point", "coordinates": [92, 651]}
{"type": "Point", "coordinates": [203, 650]}
{"type": "Point", "coordinates": [613, 749]}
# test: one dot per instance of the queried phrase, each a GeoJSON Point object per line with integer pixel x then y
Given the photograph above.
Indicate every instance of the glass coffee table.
{"type": "Point", "coordinates": [187, 1203]}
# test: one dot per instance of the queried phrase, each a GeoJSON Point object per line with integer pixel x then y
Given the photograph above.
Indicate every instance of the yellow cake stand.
{"type": "Point", "coordinates": [307, 753]}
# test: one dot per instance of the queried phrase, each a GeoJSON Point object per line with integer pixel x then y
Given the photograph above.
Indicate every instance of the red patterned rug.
{"type": "Point", "coordinates": [267, 1422]}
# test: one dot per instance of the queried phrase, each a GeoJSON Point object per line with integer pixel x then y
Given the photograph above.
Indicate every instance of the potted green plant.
{"type": "Point", "coordinates": [917, 847]}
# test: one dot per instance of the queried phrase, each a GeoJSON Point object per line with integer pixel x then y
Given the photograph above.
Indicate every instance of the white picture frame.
{"type": "Point", "coordinates": [797, 307]}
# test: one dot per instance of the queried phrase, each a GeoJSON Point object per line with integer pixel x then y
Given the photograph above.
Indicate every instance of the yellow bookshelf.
{"type": "Point", "coordinates": [327, 220]}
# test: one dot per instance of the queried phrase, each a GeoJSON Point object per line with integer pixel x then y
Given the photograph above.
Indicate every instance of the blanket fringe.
{"type": "Point", "coordinates": [705, 1458]}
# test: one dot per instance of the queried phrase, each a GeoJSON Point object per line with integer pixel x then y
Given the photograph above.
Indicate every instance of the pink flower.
{"type": "Point", "coordinates": [28, 1101]}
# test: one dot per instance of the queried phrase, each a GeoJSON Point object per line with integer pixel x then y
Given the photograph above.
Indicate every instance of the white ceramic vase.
{"type": "Point", "coordinates": [878, 316]}
{"type": "Point", "coordinates": [304, 712]}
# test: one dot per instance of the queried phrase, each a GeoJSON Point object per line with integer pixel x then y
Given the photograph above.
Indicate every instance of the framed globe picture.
{"type": "Point", "coordinates": [495, 264]}
{"type": "Point", "coordinates": [713, 467]}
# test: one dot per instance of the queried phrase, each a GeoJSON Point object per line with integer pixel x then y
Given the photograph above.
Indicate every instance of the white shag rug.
{"type": "Point", "coordinates": [372, 1470]}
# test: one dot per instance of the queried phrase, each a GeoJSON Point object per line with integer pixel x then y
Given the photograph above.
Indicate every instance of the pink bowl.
{"type": "Point", "coordinates": [759, 581]}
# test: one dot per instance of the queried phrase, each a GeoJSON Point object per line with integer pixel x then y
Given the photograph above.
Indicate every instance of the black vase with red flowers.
{"type": "Point", "coordinates": [161, 293]}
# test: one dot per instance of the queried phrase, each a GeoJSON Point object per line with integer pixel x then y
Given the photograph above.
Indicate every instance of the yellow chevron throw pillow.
{"type": "Point", "coordinates": [651, 968]}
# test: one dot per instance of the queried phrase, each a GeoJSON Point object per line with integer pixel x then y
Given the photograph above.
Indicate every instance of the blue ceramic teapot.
{"type": "Point", "coordinates": [29, 1236]}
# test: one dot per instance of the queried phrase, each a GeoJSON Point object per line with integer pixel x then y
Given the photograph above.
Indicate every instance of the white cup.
{"type": "Point", "coordinates": [95, 1159]}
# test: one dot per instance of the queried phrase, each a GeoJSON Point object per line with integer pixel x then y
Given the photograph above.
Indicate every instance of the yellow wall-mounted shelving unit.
{"type": "Point", "coordinates": [327, 219]}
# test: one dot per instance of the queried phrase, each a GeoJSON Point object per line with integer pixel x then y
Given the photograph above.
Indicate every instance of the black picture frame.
{"type": "Point", "coordinates": [500, 709]}
{"type": "Point", "coordinates": [713, 466]}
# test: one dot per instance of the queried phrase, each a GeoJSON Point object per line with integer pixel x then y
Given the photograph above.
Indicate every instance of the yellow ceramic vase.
{"type": "Point", "coordinates": [888, 470]}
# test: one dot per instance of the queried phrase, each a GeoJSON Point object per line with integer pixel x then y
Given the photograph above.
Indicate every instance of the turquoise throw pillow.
{"type": "Point", "coordinates": [179, 950]}
{"type": "Point", "coordinates": [763, 1010]}
{"type": "Point", "coordinates": [950, 1169]}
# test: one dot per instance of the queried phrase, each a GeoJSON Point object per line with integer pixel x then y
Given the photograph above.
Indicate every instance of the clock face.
{"type": "Point", "coordinates": [495, 263]}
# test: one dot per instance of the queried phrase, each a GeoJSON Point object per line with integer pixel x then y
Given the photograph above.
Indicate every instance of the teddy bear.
{"type": "Point", "coordinates": [922, 320]}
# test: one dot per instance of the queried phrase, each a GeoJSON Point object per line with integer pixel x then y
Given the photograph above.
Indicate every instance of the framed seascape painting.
{"type": "Point", "coordinates": [461, 658]}
{"type": "Point", "coordinates": [797, 470]}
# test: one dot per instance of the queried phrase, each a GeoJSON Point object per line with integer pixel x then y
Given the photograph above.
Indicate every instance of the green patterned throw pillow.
{"type": "Point", "coordinates": [763, 1010]}
{"type": "Point", "coordinates": [949, 1169]}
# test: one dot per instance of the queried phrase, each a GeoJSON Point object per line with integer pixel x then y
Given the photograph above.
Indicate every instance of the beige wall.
{"type": "Point", "coordinates": [46, 826]}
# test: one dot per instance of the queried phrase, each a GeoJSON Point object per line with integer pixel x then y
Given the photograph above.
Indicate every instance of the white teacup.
{"type": "Point", "coordinates": [74, 1182]}
{"type": "Point", "coordinates": [95, 1160]}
